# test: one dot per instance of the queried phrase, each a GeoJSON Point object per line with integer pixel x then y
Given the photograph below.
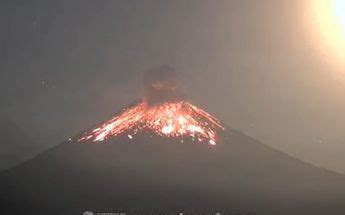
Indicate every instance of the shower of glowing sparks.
{"type": "Point", "coordinates": [170, 119]}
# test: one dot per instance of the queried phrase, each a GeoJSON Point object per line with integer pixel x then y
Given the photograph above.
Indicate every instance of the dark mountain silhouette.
{"type": "Point", "coordinates": [17, 145]}
{"type": "Point", "coordinates": [157, 174]}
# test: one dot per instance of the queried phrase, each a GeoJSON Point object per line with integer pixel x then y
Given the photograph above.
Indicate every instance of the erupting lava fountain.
{"type": "Point", "coordinates": [143, 173]}
{"type": "Point", "coordinates": [163, 111]}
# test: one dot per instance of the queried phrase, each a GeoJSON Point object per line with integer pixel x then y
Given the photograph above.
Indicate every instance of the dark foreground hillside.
{"type": "Point", "coordinates": [155, 174]}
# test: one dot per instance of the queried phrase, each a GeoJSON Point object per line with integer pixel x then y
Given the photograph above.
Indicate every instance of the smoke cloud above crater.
{"type": "Point", "coordinates": [161, 85]}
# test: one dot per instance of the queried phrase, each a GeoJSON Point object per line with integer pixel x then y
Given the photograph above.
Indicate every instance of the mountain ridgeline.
{"type": "Point", "coordinates": [151, 173]}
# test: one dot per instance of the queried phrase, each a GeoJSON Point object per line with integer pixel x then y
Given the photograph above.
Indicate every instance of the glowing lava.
{"type": "Point", "coordinates": [170, 119]}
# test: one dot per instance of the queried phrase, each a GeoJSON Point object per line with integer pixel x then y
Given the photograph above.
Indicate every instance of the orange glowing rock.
{"type": "Point", "coordinates": [170, 119]}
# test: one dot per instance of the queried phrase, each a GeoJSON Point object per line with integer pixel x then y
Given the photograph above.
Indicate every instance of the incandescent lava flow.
{"type": "Point", "coordinates": [163, 111]}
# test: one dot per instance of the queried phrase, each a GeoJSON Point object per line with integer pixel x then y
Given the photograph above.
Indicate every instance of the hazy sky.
{"type": "Point", "coordinates": [256, 65]}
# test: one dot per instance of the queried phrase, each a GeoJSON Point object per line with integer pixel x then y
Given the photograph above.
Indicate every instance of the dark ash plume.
{"type": "Point", "coordinates": [161, 85]}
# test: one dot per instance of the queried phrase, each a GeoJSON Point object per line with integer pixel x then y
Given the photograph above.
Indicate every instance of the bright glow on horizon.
{"type": "Point", "coordinates": [338, 8]}
{"type": "Point", "coordinates": [328, 17]}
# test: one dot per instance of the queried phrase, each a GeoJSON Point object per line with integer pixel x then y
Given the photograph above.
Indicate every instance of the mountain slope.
{"type": "Point", "coordinates": [156, 174]}
{"type": "Point", "coordinates": [16, 144]}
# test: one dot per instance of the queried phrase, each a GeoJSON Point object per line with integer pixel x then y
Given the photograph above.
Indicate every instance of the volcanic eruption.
{"type": "Point", "coordinates": [163, 111]}
{"type": "Point", "coordinates": [134, 171]}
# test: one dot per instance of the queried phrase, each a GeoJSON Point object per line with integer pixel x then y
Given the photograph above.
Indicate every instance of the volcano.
{"type": "Point", "coordinates": [153, 173]}
{"type": "Point", "coordinates": [167, 156]}
{"type": "Point", "coordinates": [162, 111]}
{"type": "Point", "coordinates": [171, 119]}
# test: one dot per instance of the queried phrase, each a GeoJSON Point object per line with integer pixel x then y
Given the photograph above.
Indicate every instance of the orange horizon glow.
{"type": "Point", "coordinates": [328, 18]}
